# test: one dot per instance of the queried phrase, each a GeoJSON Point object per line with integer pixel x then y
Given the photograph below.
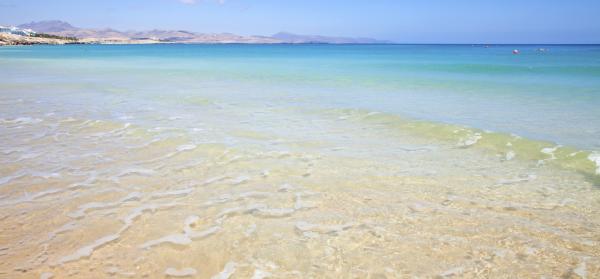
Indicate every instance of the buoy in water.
{"type": "Point", "coordinates": [516, 51]}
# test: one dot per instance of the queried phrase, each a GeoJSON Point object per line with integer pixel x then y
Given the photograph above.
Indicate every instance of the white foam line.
{"type": "Point", "coordinates": [300, 204]}
{"type": "Point", "coordinates": [179, 149]}
{"type": "Point", "coordinates": [517, 180]}
{"type": "Point", "coordinates": [256, 195]}
{"type": "Point", "coordinates": [46, 175]}
{"type": "Point", "coordinates": [21, 120]}
{"type": "Point", "coordinates": [138, 171]}
{"type": "Point", "coordinates": [581, 270]}
{"type": "Point", "coordinates": [214, 179]}
{"type": "Point", "coordinates": [471, 140]}
{"type": "Point", "coordinates": [10, 178]}
{"type": "Point", "coordinates": [38, 136]}
{"type": "Point", "coordinates": [260, 274]}
{"type": "Point", "coordinates": [87, 251]}
{"type": "Point", "coordinates": [185, 272]}
{"type": "Point", "coordinates": [133, 171]}
{"type": "Point", "coordinates": [64, 228]}
{"type": "Point", "coordinates": [27, 156]}
{"type": "Point", "coordinates": [222, 199]}
{"type": "Point", "coordinates": [228, 270]}
{"type": "Point", "coordinates": [324, 229]}
{"type": "Point", "coordinates": [187, 165]}
{"type": "Point", "coordinates": [80, 125]}
{"type": "Point", "coordinates": [259, 210]}
{"type": "Point", "coordinates": [183, 238]}
{"type": "Point", "coordinates": [144, 145]}
{"type": "Point", "coordinates": [86, 183]}
{"type": "Point", "coordinates": [417, 148]}
{"type": "Point", "coordinates": [30, 198]}
{"type": "Point", "coordinates": [285, 188]}
{"type": "Point", "coordinates": [177, 239]}
{"type": "Point", "coordinates": [186, 147]}
{"type": "Point", "coordinates": [180, 192]}
{"type": "Point", "coordinates": [14, 150]}
{"type": "Point", "coordinates": [274, 212]}
{"type": "Point", "coordinates": [240, 180]}
{"type": "Point", "coordinates": [452, 272]}
{"type": "Point", "coordinates": [238, 210]}
{"type": "Point", "coordinates": [103, 205]}
{"type": "Point", "coordinates": [510, 155]}
{"type": "Point", "coordinates": [205, 233]}
{"type": "Point", "coordinates": [137, 212]}
{"type": "Point", "coordinates": [595, 157]}
{"type": "Point", "coordinates": [117, 271]}
{"type": "Point", "coordinates": [550, 151]}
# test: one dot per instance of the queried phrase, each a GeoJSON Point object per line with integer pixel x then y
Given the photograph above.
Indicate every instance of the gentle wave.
{"type": "Point", "coordinates": [506, 146]}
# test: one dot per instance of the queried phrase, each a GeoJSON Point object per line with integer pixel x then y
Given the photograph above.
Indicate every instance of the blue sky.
{"type": "Point", "coordinates": [404, 21]}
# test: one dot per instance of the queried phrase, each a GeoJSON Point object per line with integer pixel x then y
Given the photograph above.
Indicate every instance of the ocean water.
{"type": "Point", "coordinates": [299, 161]}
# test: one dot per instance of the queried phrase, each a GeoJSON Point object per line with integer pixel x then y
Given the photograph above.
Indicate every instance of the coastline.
{"type": "Point", "coordinates": [11, 40]}
{"type": "Point", "coordinates": [14, 40]}
{"type": "Point", "coordinates": [58, 31]}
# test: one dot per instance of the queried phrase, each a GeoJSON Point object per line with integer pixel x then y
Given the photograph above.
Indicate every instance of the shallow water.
{"type": "Point", "coordinates": [298, 162]}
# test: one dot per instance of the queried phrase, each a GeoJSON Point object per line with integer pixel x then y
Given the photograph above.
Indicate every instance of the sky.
{"type": "Point", "coordinates": [402, 21]}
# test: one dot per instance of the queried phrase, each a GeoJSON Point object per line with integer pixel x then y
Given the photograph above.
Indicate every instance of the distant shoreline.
{"type": "Point", "coordinates": [116, 43]}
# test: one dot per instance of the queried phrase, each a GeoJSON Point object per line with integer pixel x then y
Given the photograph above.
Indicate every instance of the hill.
{"type": "Point", "coordinates": [108, 35]}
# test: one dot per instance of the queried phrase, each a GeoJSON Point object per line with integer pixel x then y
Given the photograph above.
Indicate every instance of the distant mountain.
{"type": "Point", "coordinates": [48, 26]}
{"type": "Point", "coordinates": [303, 39]}
{"type": "Point", "coordinates": [64, 29]}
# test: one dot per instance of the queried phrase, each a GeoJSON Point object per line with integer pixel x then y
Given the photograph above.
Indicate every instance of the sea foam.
{"type": "Point", "coordinates": [595, 157]}
{"type": "Point", "coordinates": [228, 270]}
{"type": "Point", "coordinates": [184, 272]}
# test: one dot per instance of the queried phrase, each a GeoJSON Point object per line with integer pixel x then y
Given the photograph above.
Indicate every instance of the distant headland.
{"type": "Point", "coordinates": [60, 32]}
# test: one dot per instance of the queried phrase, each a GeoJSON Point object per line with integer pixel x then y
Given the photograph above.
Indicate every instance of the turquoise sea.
{"type": "Point", "coordinates": [284, 154]}
{"type": "Point", "coordinates": [548, 93]}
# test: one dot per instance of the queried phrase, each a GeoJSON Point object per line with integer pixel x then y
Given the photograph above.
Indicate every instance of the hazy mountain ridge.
{"type": "Point", "coordinates": [300, 39]}
{"type": "Point", "coordinates": [48, 26]}
{"type": "Point", "coordinates": [108, 35]}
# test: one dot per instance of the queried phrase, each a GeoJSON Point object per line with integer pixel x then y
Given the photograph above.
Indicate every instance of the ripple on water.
{"type": "Point", "coordinates": [175, 193]}
{"type": "Point", "coordinates": [186, 147]}
{"type": "Point", "coordinates": [185, 238]}
{"type": "Point", "coordinates": [305, 227]}
{"type": "Point", "coordinates": [83, 209]}
{"type": "Point", "coordinates": [260, 274]}
{"type": "Point", "coordinates": [228, 270]}
{"type": "Point", "coordinates": [29, 197]}
{"type": "Point", "coordinates": [86, 251]}
{"type": "Point", "coordinates": [176, 239]}
{"type": "Point", "coordinates": [21, 120]}
{"type": "Point", "coordinates": [595, 157]}
{"type": "Point", "coordinates": [240, 180]}
{"type": "Point", "coordinates": [184, 272]}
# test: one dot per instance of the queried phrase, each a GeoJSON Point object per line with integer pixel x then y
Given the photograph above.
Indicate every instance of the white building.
{"type": "Point", "coordinates": [16, 31]}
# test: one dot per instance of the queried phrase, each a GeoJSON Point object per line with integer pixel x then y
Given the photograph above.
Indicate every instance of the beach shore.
{"type": "Point", "coordinates": [236, 162]}
{"type": "Point", "coordinates": [10, 39]}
